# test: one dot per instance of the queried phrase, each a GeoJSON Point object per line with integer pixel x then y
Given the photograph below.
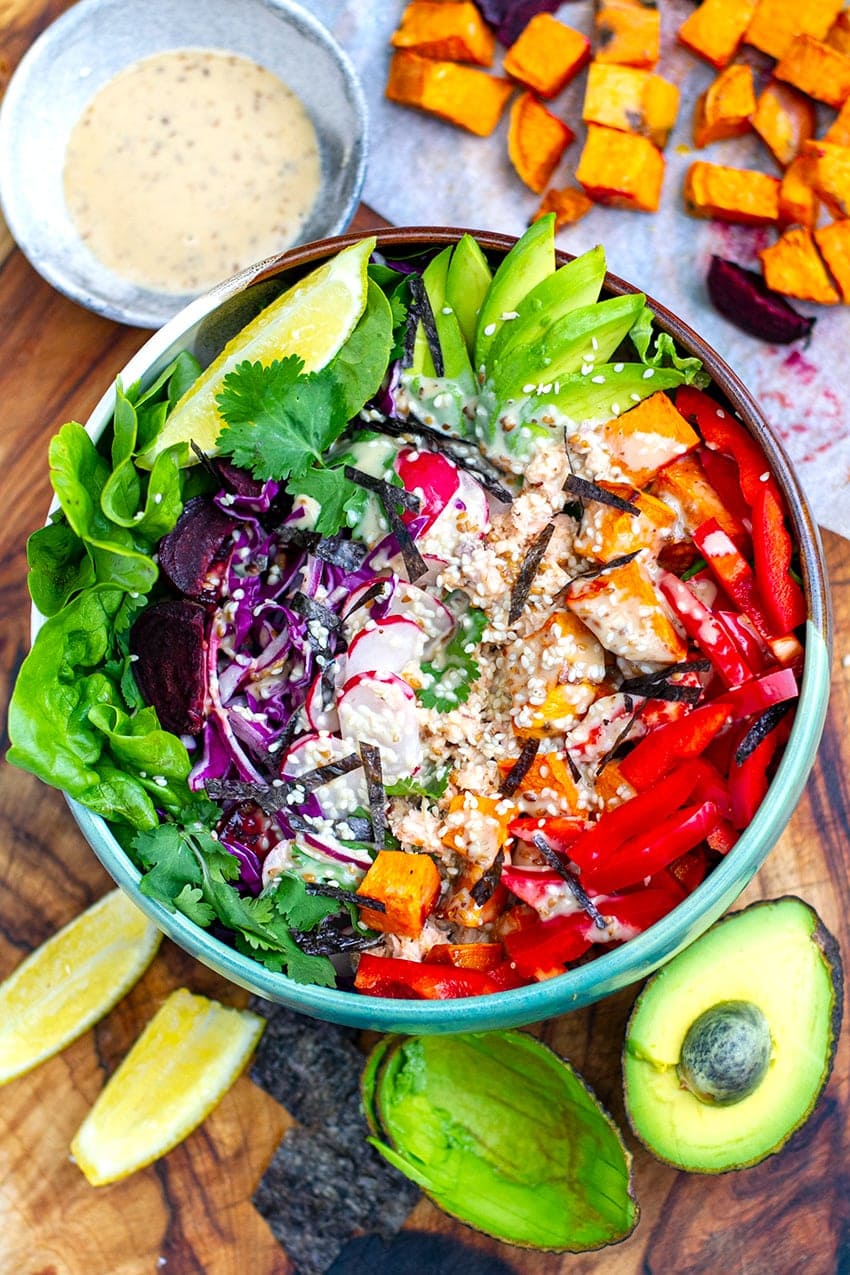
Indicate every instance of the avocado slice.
{"type": "Point", "coordinates": [502, 1133]}
{"type": "Point", "coordinates": [730, 1045]}
{"type": "Point", "coordinates": [529, 262]}
{"type": "Point", "coordinates": [456, 364]}
{"type": "Point", "coordinates": [469, 276]}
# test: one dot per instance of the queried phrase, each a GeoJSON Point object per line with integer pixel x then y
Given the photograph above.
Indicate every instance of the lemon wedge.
{"type": "Point", "coordinates": [313, 319]}
{"type": "Point", "coordinates": [71, 981]}
{"type": "Point", "coordinates": [181, 1066]}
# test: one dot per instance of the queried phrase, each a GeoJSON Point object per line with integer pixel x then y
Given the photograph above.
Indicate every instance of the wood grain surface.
{"type": "Point", "coordinates": [192, 1212]}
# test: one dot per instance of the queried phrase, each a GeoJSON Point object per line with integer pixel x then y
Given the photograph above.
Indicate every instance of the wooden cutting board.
{"type": "Point", "coordinates": [192, 1212]}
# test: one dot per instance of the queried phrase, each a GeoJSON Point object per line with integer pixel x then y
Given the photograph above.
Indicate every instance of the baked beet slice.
{"type": "Point", "coordinates": [169, 643]}
{"type": "Point", "coordinates": [187, 553]}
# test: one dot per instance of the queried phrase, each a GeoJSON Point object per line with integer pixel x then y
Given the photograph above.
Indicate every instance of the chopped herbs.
{"type": "Point", "coordinates": [451, 681]}
{"type": "Point", "coordinates": [528, 570]}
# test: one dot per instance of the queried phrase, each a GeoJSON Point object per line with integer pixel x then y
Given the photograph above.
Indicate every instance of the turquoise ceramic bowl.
{"type": "Point", "coordinates": [204, 326]}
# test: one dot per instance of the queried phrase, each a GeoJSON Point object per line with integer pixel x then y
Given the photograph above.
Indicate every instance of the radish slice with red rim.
{"type": "Point", "coordinates": [390, 645]}
{"type": "Point", "coordinates": [380, 709]}
{"type": "Point", "coordinates": [338, 797]}
{"type": "Point", "coordinates": [320, 704]}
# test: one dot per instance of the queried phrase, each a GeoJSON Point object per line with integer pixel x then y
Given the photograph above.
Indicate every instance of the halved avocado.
{"type": "Point", "coordinates": [503, 1134]}
{"type": "Point", "coordinates": [730, 1045]}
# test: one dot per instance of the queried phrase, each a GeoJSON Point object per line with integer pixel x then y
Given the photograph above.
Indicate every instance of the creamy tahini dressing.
{"type": "Point", "coordinates": [188, 166]}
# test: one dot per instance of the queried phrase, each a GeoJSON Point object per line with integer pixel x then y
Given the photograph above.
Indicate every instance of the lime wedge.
{"type": "Point", "coordinates": [181, 1066]}
{"type": "Point", "coordinates": [313, 319]}
{"type": "Point", "coordinates": [71, 981]}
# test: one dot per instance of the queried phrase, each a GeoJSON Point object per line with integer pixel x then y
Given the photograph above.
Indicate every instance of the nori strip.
{"type": "Point", "coordinates": [310, 609]}
{"type": "Point", "coordinates": [314, 779]}
{"type": "Point", "coordinates": [572, 881]}
{"type": "Point", "coordinates": [761, 728]}
{"type": "Point", "coordinates": [672, 692]}
{"type": "Point", "coordinates": [327, 685]}
{"type": "Point", "coordinates": [574, 770]}
{"type": "Point", "coordinates": [391, 497]}
{"type": "Point", "coordinates": [459, 450]}
{"type": "Point", "coordinates": [623, 735]}
{"type": "Point", "coordinates": [269, 799]}
{"type": "Point", "coordinates": [527, 572]}
{"type": "Point", "coordinates": [593, 572]}
{"type": "Point", "coordinates": [484, 888]}
{"type": "Point", "coordinates": [520, 768]}
{"type": "Point", "coordinates": [422, 306]}
{"type": "Point", "coordinates": [329, 891]}
{"type": "Point", "coordinates": [371, 758]}
{"type": "Point", "coordinates": [592, 491]}
{"type": "Point", "coordinates": [376, 590]}
{"type": "Point", "coordinates": [332, 936]}
{"type": "Point", "coordinates": [339, 552]}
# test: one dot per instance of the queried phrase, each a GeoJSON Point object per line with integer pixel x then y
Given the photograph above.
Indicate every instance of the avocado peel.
{"type": "Point", "coordinates": [778, 956]}
{"type": "Point", "coordinates": [501, 1133]}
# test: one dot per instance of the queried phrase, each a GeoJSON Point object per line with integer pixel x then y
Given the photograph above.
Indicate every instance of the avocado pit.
{"type": "Point", "coordinates": [726, 1053]}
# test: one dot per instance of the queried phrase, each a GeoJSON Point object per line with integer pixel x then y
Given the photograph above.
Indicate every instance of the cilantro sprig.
{"type": "Point", "coordinates": [450, 682]}
{"type": "Point", "coordinates": [189, 871]}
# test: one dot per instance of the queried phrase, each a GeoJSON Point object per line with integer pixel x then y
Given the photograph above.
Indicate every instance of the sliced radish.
{"type": "Point", "coordinates": [542, 890]}
{"type": "Point", "coordinates": [320, 714]}
{"type": "Point", "coordinates": [433, 478]}
{"type": "Point", "coordinates": [380, 709]}
{"type": "Point", "coordinates": [388, 645]}
{"type": "Point", "coordinates": [398, 598]}
{"type": "Point", "coordinates": [465, 518]}
{"type": "Point", "coordinates": [339, 797]}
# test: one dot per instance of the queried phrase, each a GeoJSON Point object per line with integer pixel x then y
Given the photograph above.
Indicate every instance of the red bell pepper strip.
{"type": "Point", "coordinates": [734, 573]}
{"type": "Point", "coordinates": [705, 630]}
{"type": "Point", "coordinates": [535, 886]}
{"type": "Point", "coordinates": [722, 433]}
{"type": "Point", "coordinates": [782, 597]}
{"type": "Point", "coordinates": [544, 950]}
{"type": "Point", "coordinates": [748, 780]}
{"type": "Point", "coordinates": [634, 913]}
{"type": "Point", "coordinates": [617, 825]}
{"type": "Point", "coordinates": [414, 980]}
{"type": "Point", "coordinates": [722, 472]}
{"type": "Point", "coordinates": [711, 786]}
{"type": "Point", "coordinates": [658, 752]}
{"type": "Point", "coordinates": [752, 649]}
{"type": "Point", "coordinates": [760, 693]}
{"type": "Point", "coordinates": [646, 854]}
{"type": "Point", "coordinates": [504, 978]}
{"type": "Point", "coordinates": [559, 830]}
{"type": "Point", "coordinates": [722, 838]}
{"type": "Point", "coordinates": [686, 872]}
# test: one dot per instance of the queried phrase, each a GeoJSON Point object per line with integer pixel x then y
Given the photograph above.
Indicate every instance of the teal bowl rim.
{"type": "Point", "coordinates": [641, 955]}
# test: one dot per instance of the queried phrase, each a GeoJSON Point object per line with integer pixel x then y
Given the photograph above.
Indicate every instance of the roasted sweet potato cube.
{"type": "Point", "coordinates": [834, 244]}
{"type": "Point", "coordinates": [628, 32]}
{"type": "Point", "coordinates": [817, 69]}
{"type": "Point", "coordinates": [569, 206]}
{"type": "Point", "coordinates": [547, 55]}
{"type": "Point", "coordinates": [830, 174]}
{"type": "Point", "coordinates": [716, 28]}
{"type": "Point", "coordinates": [793, 267]}
{"type": "Point", "coordinates": [839, 130]}
{"type": "Point", "coordinates": [839, 33]}
{"type": "Point", "coordinates": [724, 109]}
{"type": "Point", "coordinates": [607, 532]}
{"type": "Point", "coordinates": [783, 119]}
{"type": "Point", "coordinates": [684, 485]}
{"type": "Point", "coordinates": [623, 609]}
{"type": "Point", "coordinates": [647, 437]}
{"type": "Point", "coordinates": [477, 826]}
{"type": "Point", "coordinates": [450, 29]}
{"type": "Point", "coordinates": [461, 95]}
{"type": "Point", "coordinates": [407, 884]}
{"type": "Point", "coordinates": [622, 170]}
{"type": "Point", "coordinates": [798, 203]}
{"type": "Point", "coordinates": [632, 100]}
{"type": "Point", "coordinates": [731, 194]}
{"type": "Point", "coordinates": [536, 141]}
{"type": "Point", "coordinates": [776, 23]}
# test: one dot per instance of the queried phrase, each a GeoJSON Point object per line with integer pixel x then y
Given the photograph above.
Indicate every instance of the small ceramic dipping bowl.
{"type": "Point", "coordinates": [95, 40]}
{"type": "Point", "coordinates": [204, 327]}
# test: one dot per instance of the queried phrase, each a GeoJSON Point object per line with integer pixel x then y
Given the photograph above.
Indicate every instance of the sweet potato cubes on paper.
{"type": "Point", "coordinates": [731, 194]}
{"type": "Point", "coordinates": [454, 31]}
{"type": "Point", "coordinates": [631, 100]}
{"type": "Point", "coordinates": [622, 170]}
{"type": "Point", "coordinates": [462, 95]}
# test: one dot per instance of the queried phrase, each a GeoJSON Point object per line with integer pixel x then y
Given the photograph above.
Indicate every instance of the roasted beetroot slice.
{"type": "Point", "coordinates": [187, 553]}
{"type": "Point", "coordinates": [743, 297]}
{"type": "Point", "coordinates": [169, 642]}
{"type": "Point", "coordinates": [518, 15]}
{"type": "Point", "coordinates": [238, 480]}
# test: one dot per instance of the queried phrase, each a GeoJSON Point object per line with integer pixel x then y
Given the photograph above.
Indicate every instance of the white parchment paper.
{"type": "Point", "coordinates": [425, 172]}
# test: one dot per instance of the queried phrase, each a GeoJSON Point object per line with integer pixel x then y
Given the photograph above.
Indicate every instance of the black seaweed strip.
{"type": "Point", "coordinates": [312, 610]}
{"type": "Point", "coordinates": [563, 871]}
{"type": "Point", "coordinates": [328, 939]}
{"type": "Point", "coordinates": [603, 761]}
{"type": "Point", "coordinates": [268, 799]}
{"type": "Point", "coordinates": [426, 317]}
{"type": "Point", "coordinates": [458, 450]}
{"type": "Point", "coordinates": [206, 461]}
{"type": "Point", "coordinates": [485, 887]}
{"type": "Point", "coordinates": [527, 572]}
{"type": "Point", "coordinates": [520, 768]}
{"type": "Point", "coordinates": [574, 770]}
{"type": "Point", "coordinates": [573, 509]}
{"type": "Point", "coordinates": [288, 534]}
{"type": "Point", "coordinates": [345, 896]}
{"type": "Point", "coordinates": [591, 491]}
{"type": "Point", "coordinates": [314, 779]}
{"type": "Point", "coordinates": [414, 563]}
{"type": "Point", "coordinates": [670, 692]}
{"type": "Point", "coordinates": [371, 758]}
{"type": "Point", "coordinates": [411, 323]}
{"type": "Point", "coordinates": [359, 827]}
{"type": "Point", "coordinates": [327, 685]}
{"type": "Point", "coordinates": [760, 729]}
{"type": "Point", "coordinates": [347, 554]}
{"type": "Point", "coordinates": [386, 492]}
{"type": "Point", "coordinates": [374, 591]}
{"type": "Point", "coordinates": [592, 572]}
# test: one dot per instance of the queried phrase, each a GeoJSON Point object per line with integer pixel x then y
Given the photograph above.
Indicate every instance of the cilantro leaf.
{"type": "Point", "coordinates": [451, 680]}
{"type": "Point", "coordinates": [277, 421]}
{"type": "Point", "coordinates": [431, 784]}
{"type": "Point", "coordinates": [334, 492]}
